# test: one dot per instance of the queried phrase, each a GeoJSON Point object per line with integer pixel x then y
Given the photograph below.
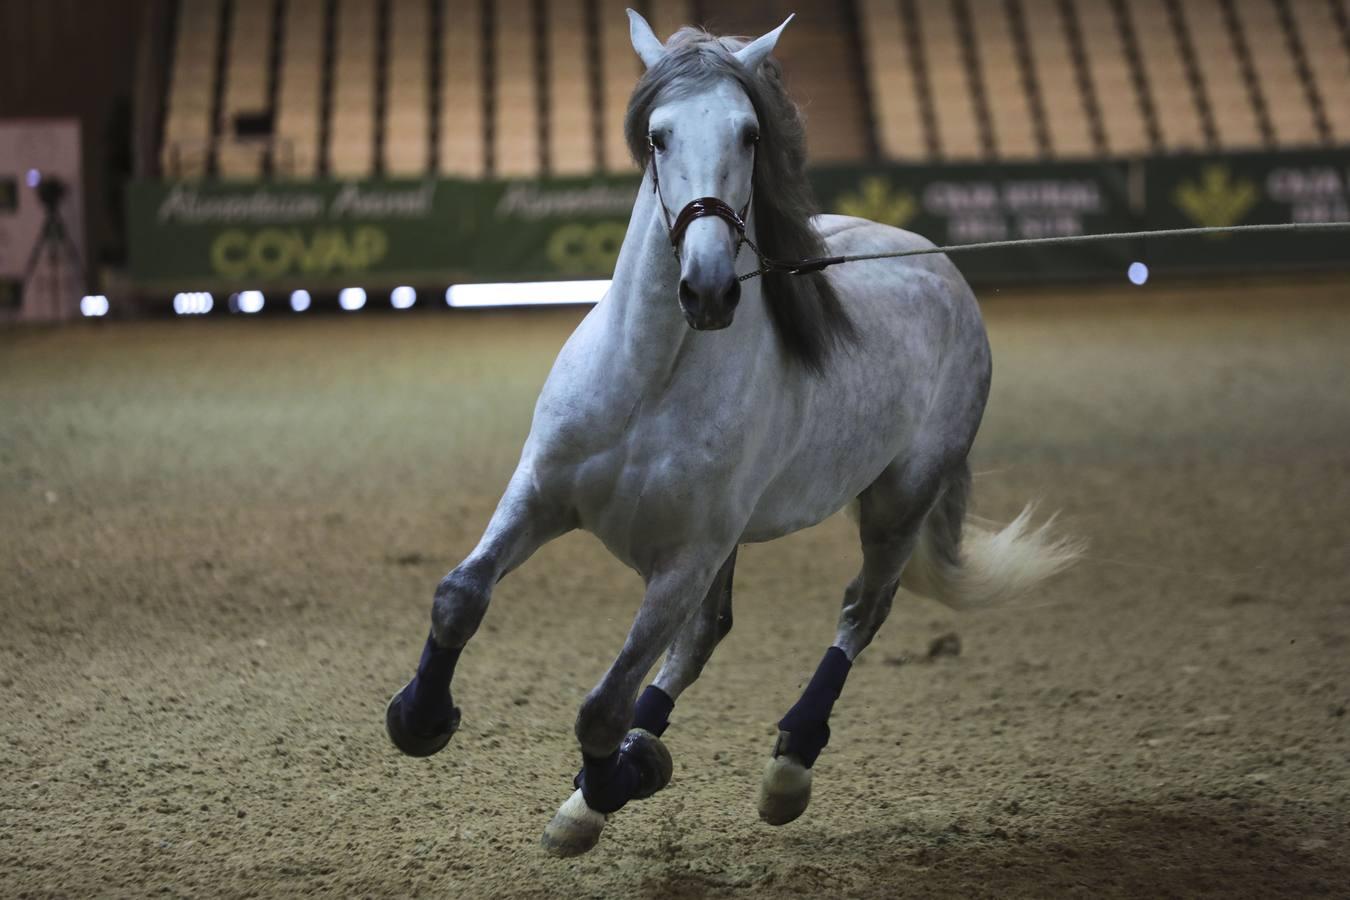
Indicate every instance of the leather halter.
{"type": "Point", "coordinates": [700, 208]}
{"type": "Point", "coordinates": [704, 206]}
{"type": "Point", "coordinates": [713, 206]}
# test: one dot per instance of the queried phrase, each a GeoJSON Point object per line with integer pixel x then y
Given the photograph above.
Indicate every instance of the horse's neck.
{"type": "Point", "coordinates": [644, 323]}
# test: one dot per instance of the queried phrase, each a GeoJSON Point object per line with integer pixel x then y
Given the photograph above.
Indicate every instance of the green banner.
{"type": "Point", "coordinates": [966, 204]}
{"type": "Point", "coordinates": [324, 232]}
{"type": "Point", "coordinates": [329, 233]}
{"type": "Point", "coordinates": [269, 233]}
{"type": "Point", "coordinates": [1248, 189]}
{"type": "Point", "coordinates": [553, 229]}
{"type": "Point", "coordinates": [214, 233]}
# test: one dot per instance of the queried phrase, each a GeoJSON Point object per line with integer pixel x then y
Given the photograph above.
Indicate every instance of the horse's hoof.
{"type": "Point", "coordinates": [575, 828]}
{"type": "Point", "coordinates": [409, 742]}
{"type": "Point", "coordinates": [785, 790]}
{"type": "Point", "coordinates": [652, 759]}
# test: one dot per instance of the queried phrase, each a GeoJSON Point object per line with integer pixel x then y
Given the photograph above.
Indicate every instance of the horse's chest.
{"type": "Point", "coordinates": [646, 482]}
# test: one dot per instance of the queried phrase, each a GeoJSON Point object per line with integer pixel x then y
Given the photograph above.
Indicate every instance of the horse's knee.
{"type": "Point", "coordinates": [461, 600]}
{"type": "Point", "coordinates": [602, 722]}
{"type": "Point", "coordinates": [724, 622]}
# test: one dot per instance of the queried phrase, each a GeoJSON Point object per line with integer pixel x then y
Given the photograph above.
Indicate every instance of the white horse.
{"type": "Point", "coordinates": [694, 410]}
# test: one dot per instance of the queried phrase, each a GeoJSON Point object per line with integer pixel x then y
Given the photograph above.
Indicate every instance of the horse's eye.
{"type": "Point", "coordinates": [657, 140]}
{"type": "Point", "coordinates": [751, 137]}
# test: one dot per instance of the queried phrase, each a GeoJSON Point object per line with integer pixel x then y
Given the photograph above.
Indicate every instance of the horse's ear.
{"type": "Point", "coordinates": [648, 46]}
{"type": "Point", "coordinates": [758, 50]}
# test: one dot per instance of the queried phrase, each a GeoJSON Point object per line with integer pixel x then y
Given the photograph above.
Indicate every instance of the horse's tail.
{"type": "Point", "coordinates": [965, 566]}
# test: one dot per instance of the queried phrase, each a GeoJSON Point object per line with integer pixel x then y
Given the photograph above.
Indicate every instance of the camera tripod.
{"type": "Point", "coordinates": [55, 240]}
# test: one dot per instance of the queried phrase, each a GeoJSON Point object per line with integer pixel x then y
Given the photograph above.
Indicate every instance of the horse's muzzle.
{"type": "Point", "coordinates": [709, 306]}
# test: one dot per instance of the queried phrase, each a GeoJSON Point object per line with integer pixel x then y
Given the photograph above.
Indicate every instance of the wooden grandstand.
{"type": "Point", "coordinates": [527, 88]}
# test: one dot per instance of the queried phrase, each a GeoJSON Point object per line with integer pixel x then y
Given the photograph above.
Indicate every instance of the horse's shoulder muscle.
{"type": "Point", "coordinates": [851, 234]}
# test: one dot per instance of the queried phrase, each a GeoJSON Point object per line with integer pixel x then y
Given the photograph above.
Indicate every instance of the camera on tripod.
{"type": "Point", "coordinates": [54, 245]}
{"type": "Point", "coordinates": [51, 190]}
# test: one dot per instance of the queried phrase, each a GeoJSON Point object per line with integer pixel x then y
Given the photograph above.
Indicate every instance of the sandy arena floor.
{"type": "Point", "coordinates": [218, 542]}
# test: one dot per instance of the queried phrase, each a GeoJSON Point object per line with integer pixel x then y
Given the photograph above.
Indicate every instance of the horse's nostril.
{"type": "Point", "coordinates": [710, 305]}
{"type": "Point", "coordinates": [688, 296]}
{"type": "Point", "coordinates": [733, 294]}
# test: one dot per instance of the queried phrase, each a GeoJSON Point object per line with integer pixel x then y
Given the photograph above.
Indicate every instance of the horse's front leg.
{"type": "Point", "coordinates": [619, 764]}
{"type": "Point", "coordinates": [421, 717]}
{"type": "Point", "coordinates": [690, 652]}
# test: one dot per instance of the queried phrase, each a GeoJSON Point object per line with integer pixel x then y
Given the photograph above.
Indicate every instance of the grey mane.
{"type": "Point", "coordinates": [810, 321]}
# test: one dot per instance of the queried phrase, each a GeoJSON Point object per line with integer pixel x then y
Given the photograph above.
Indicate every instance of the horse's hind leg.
{"type": "Point", "coordinates": [421, 718]}
{"type": "Point", "coordinates": [890, 515]}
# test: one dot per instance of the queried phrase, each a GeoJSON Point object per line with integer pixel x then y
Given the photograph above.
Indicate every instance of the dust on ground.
{"type": "Point", "coordinates": [218, 542]}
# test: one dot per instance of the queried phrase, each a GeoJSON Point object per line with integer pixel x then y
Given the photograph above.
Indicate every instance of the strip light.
{"type": "Point", "coordinates": [528, 293]}
{"type": "Point", "coordinates": [351, 299]}
{"type": "Point", "coordinates": [193, 303]}
{"type": "Point", "coordinates": [94, 306]}
{"type": "Point", "coordinates": [250, 302]}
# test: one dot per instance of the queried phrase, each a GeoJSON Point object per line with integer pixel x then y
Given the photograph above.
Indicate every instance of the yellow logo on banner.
{"type": "Point", "coordinates": [275, 252]}
{"type": "Point", "coordinates": [1215, 199]}
{"type": "Point", "coordinates": [876, 200]}
{"type": "Point", "coordinates": [579, 249]}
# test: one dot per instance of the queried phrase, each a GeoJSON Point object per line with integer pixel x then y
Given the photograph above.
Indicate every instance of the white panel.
{"type": "Point", "coordinates": [187, 122]}
{"type": "Point", "coordinates": [1122, 118]}
{"type": "Point", "coordinates": [298, 88]}
{"type": "Point", "coordinates": [1004, 85]}
{"type": "Point", "coordinates": [1234, 115]}
{"type": "Point", "coordinates": [351, 135]}
{"type": "Point", "coordinates": [250, 49]}
{"type": "Point", "coordinates": [571, 132]}
{"type": "Point", "coordinates": [406, 117]}
{"type": "Point", "coordinates": [619, 71]}
{"type": "Point", "coordinates": [1171, 92]}
{"type": "Point", "coordinates": [1065, 115]}
{"type": "Point", "coordinates": [515, 125]}
{"type": "Point", "coordinates": [1286, 100]}
{"type": "Point", "coordinates": [462, 150]}
{"type": "Point", "coordinates": [1327, 59]}
{"type": "Point", "coordinates": [669, 16]}
{"type": "Point", "coordinates": [895, 105]}
{"type": "Point", "coordinates": [953, 103]}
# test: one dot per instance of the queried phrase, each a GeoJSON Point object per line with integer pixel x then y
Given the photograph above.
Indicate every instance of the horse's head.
{"type": "Point", "coordinates": [702, 131]}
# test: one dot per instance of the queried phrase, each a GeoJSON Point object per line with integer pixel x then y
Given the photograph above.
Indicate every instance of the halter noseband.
{"type": "Point", "coordinates": [697, 209]}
